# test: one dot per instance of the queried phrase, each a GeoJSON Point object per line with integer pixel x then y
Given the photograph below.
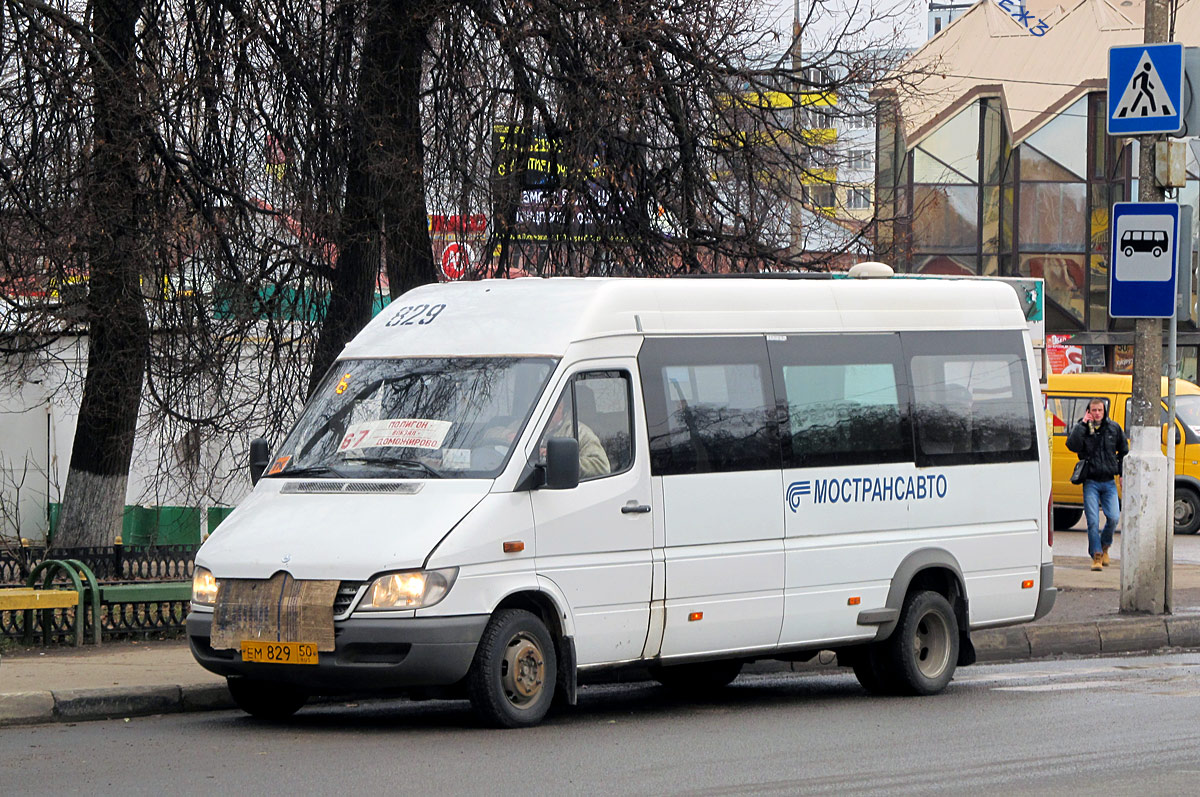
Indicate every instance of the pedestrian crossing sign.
{"type": "Point", "coordinates": [1145, 89]}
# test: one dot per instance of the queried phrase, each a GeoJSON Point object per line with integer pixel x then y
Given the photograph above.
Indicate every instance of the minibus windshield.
{"type": "Point", "coordinates": [414, 418]}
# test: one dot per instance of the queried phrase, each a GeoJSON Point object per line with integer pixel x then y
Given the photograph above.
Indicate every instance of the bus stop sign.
{"type": "Point", "coordinates": [1142, 276]}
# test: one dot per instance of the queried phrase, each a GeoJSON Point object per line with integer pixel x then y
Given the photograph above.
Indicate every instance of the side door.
{"type": "Point", "coordinates": [715, 460]}
{"type": "Point", "coordinates": [848, 458]}
{"type": "Point", "coordinates": [594, 541]}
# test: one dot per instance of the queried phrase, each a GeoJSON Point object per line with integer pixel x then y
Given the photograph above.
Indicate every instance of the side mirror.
{"type": "Point", "coordinates": [260, 457]}
{"type": "Point", "coordinates": [562, 463]}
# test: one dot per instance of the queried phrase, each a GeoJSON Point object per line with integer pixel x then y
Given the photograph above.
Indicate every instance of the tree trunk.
{"type": "Point", "coordinates": [409, 248]}
{"type": "Point", "coordinates": [385, 140]}
{"type": "Point", "coordinates": [118, 332]}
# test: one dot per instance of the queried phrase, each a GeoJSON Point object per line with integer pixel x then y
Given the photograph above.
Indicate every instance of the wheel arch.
{"type": "Point", "coordinates": [550, 606]}
{"type": "Point", "coordinates": [934, 569]}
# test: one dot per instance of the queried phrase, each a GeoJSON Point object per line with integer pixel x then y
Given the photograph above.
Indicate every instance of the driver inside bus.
{"type": "Point", "coordinates": [593, 459]}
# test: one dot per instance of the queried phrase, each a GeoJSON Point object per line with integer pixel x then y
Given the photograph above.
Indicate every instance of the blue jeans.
{"type": "Point", "coordinates": [1097, 496]}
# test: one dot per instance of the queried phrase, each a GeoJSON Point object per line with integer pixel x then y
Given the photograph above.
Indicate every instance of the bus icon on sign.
{"type": "Point", "coordinates": [1152, 241]}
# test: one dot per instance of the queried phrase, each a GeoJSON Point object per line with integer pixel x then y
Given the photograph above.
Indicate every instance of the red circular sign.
{"type": "Point", "coordinates": [456, 258]}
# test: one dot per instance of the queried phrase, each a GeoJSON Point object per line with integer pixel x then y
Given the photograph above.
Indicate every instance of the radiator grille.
{"type": "Point", "coordinates": [345, 596]}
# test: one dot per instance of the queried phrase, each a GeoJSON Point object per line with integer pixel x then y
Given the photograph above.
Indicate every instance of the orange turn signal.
{"type": "Point", "coordinates": [853, 601]}
{"type": "Point", "coordinates": [1027, 584]}
{"type": "Point", "coordinates": [694, 616]}
{"type": "Point", "coordinates": [515, 546]}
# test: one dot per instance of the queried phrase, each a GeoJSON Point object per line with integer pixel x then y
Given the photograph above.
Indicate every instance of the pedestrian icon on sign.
{"type": "Point", "coordinates": [1145, 95]}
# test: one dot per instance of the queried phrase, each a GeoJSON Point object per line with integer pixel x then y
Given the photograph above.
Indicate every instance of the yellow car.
{"type": "Point", "coordinates": [1067, 397]}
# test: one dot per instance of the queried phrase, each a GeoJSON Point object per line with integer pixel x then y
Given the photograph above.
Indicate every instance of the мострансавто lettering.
{"type": "Point", "coordinates": [867, 489]}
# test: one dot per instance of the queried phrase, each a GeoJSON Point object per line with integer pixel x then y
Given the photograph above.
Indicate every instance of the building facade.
{"type": "Point", "coordinates": [993, 159]}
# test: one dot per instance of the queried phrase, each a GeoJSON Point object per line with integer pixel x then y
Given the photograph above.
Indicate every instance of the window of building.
{"type": "Point", "coordinates": [858, 198]}
{"type": "Point", "coordinates": [818, 196]}
{"type": "Point", "coordinates": [859, 159]}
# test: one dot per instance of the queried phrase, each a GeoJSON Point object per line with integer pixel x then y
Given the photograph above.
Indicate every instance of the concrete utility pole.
{"type": "Point", "coordinates": [1145, 522]}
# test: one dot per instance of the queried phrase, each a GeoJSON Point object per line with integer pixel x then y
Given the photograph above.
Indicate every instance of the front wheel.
{"type": "Point", "coordinates": [1187, 511]}
{"type": "Point", "coordinates": [511, 682]}
{"type": "Point", "coordinates": [923, 650]}
{"type": "Point", "coordinates": [1129, 251]}
{"type": "Point", "coordinates": [266, 700]}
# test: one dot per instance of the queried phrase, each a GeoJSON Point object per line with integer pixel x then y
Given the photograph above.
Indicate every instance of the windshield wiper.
{"type": "Point", "coordinates": [311, 470]}
{"type": "Point", "coordinates": [414, 464]}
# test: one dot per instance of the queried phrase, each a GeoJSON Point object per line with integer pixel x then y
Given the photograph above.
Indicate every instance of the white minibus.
{"type": "Point", "coordinates": [502, 485]}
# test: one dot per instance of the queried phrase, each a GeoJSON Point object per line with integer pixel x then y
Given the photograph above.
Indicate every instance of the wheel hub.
{"type": "Point", "coordinates": [931, 645]}
{"type": "Point", "coordinates": [1183, 513]}
{"type": "Point", "coordinates": [524, 669]}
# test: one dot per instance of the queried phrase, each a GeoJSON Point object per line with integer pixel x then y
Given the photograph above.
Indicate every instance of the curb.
{"type": "Point", "coordinates": [1015, 643]}
{"type": "Point", "coordinates": [81, 705]}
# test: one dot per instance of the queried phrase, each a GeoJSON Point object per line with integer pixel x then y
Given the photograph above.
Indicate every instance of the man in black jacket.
{"type": "Point", "coordinates": [1101, 443]}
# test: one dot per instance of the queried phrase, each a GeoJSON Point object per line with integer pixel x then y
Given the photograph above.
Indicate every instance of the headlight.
{"type": "Point", "coordinates": [204, 587]}
{"type": "Point", "coordinates": [415, 589]}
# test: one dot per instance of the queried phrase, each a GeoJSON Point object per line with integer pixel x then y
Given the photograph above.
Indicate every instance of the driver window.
{"type": "Point", "coordinates": [594, 409]}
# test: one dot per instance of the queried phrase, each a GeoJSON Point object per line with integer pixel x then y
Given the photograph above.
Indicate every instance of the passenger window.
{"type": "Point", "coordinates": [708, 405]}
{"type": "Point", "coordinates": [595, 410]}
{"type": "Point", "coordinates": [971, 400]}
{"type": "Point", "coordinates": [845, 400]}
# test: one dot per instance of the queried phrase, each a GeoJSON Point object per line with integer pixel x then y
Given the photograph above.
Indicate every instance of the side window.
{"type": "Point", "coordinates": [845, 398]}
{"type": "Point", "coordinates": [595, 410]}
{"type": "Point", "coordinates": [971, 400]}
{"type": "Point", "coordinates": [709, 406]}
{"type": "Point", "coordinates": [1067, 410]}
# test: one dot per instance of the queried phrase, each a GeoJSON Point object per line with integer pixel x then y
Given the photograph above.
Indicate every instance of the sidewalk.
{"type": "Point", "coordinates": [125, 679]}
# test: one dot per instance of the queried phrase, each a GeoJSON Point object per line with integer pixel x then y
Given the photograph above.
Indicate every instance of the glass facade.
{"type": "Point", "coordinates": [964, 201]}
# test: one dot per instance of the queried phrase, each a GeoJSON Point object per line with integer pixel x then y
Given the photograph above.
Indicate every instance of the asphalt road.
{"type": "Point", "coordinates": [1118, 726]}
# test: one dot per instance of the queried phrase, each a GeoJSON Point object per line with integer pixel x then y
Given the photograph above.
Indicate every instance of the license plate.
{"type": "Point", "coordinates": [279, 652]}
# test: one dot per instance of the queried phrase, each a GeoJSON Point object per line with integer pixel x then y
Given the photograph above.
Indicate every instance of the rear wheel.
{"type": "Point", "coordinates": [1157, 251]}
{"type": "Point", "coordinates": [267, 700]}
{"type": "Point", "coordinates": [699, 677]}
{"type": "Point", "coordinates": [1066, 517]}
{"type": "Point", "coordinates": [511, 682]}
{"type": "Point", "coordinates": [923, 650]}
{"type": "Point", "coordinates": [1187, 511]}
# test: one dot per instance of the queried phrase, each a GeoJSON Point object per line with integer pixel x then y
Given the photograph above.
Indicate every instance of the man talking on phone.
{"type": "Point", "coordinates": [1100, 442]}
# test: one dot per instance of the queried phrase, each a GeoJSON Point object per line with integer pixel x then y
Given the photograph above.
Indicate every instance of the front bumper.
{"type": "Point", "coordinates": [369, 655]}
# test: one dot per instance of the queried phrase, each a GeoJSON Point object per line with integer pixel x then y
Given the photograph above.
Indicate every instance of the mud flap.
{"type": "Point", "coordinates": [966, 650]}
{"type": "Point", "coordinates": [568, 674]}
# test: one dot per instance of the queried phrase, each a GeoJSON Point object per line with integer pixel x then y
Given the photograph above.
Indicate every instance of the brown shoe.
{"type": "Point", "coordinates": [1096, 561]}
{"type": "Point", "coordinates": [1104, 560]}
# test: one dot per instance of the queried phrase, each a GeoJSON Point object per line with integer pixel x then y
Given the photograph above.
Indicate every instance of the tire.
{"type": "Point", "coordinates": [1157, 252]}
{"type": "Point", "coordinates": [266, 700]}
{"type": "Point", "coordinates": [1066, 517]}
{"type": "Point", "coordinates": [698, 678]}
{"type": "Point", "coordinates": [923, 650]}
{"type": "Point", "coordinates": [511, 681]}
{"type": "Point", "coordinates": [1129, 251]}
{"type": "Point", "coordinates": [1187, 511]}
{"type": "Point", "coordinates": [869, 663]}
